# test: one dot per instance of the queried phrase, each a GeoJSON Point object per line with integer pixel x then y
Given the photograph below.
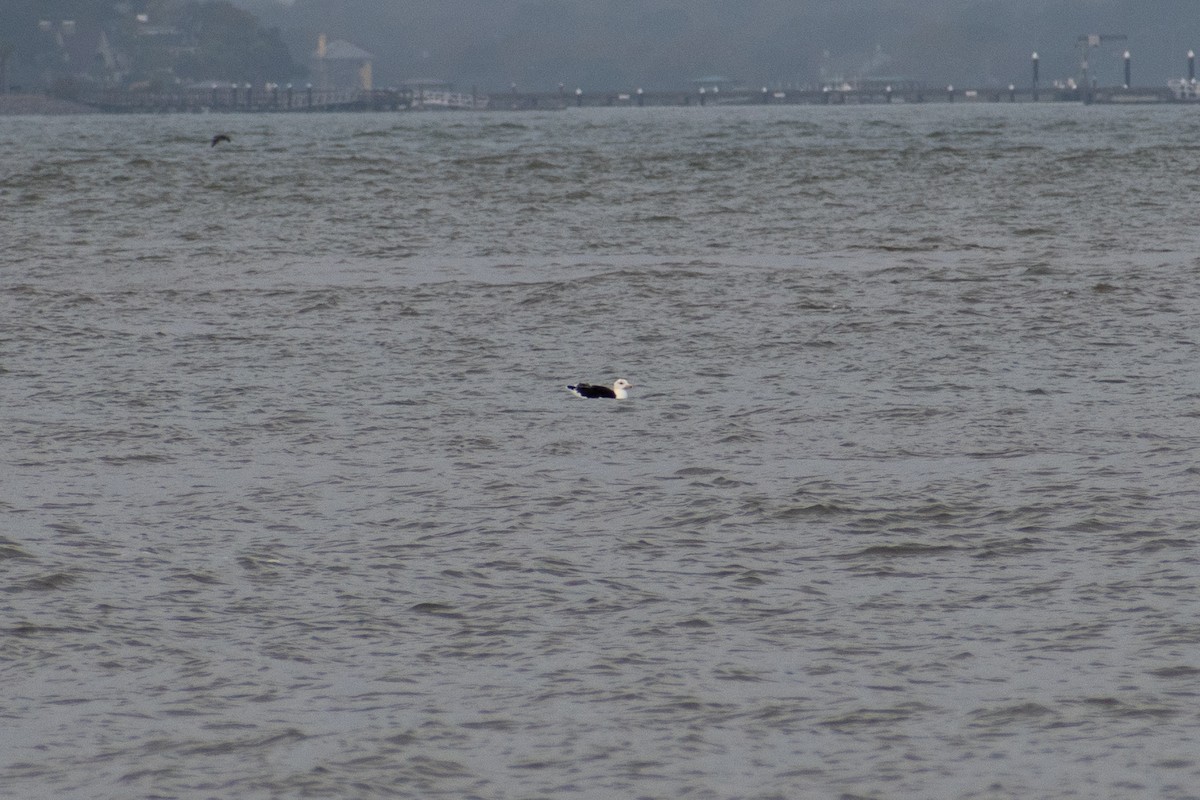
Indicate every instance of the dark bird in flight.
{"type": "Point", "coordinates": [220, 137]}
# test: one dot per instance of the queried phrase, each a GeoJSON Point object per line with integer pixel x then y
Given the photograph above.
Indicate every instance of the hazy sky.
{"type": "Point", "coordinates": [665, 43]}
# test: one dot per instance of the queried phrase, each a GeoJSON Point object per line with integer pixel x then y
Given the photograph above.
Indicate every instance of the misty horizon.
{"type": "Point", "coordinates": [540, 44]}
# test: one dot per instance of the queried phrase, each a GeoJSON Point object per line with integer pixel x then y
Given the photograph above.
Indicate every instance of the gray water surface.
{"type": "Point", "coordinates": [904, 502]}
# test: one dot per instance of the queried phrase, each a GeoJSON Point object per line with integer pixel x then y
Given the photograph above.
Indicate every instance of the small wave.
{"type": "Point", "coordinates": [44, 583]}
{"type": "Point", "coordinates": [137, 458]}
{"type": "Point", "coordinates": [873, 717]}
{"type": "Point", "coordinates": [1185, 671]}
{"type": "Point", "coordinates": [11, 550]}
{"type": "Point", "coordinates": [811, 510]}
{"type": "Point", "coordinates": [908, 550]}
{"type": "Point", "coordinates": [1011, 714]}
{"type": "Point", "coordinates": [437, 610]}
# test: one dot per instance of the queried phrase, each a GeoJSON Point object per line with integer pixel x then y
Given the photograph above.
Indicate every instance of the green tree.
{"type": "Point", "coordinates": [229, 44]}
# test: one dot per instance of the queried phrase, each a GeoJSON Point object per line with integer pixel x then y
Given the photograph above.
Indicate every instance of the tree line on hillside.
{"type": "Point", "coordinates": [68, 45]}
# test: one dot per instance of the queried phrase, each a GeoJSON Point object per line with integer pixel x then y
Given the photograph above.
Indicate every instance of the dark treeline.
{"type": "Point", "coordinates": [63, 45]}
{"type": "Point", "coordinates": [667, 43]}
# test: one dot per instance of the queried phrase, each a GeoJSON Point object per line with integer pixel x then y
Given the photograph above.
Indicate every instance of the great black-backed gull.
{"type": "Point", "coordinates": [617, 392]}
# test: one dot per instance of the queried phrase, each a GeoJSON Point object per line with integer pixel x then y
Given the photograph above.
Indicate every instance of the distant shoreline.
{"type": "Point", "coordinates": [40, 104]}
{"type": "Point", "coordinates": [200, 101]}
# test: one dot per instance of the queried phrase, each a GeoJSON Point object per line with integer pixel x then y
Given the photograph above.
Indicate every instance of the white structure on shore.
{"type": "Point", "coordinates": [339, 65]}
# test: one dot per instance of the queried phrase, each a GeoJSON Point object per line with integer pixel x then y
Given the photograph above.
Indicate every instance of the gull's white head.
{"type": "Point", "coordinates": [619, 388]}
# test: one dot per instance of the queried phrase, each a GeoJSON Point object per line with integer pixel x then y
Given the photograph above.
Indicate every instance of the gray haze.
{"type": "Point", "coordinates": [538, 44]}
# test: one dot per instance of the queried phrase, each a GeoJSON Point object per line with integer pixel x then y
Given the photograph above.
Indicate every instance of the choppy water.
{"type": "Point", "coordinates": [905, 501]}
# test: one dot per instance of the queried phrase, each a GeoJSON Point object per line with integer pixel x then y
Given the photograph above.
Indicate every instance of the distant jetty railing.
{"type": "Point", "coordinates": [282, 99]}
{"type": "Point", "coordinates": [836, 96]}
{"type": "Point", "coordinates": [273, 98]}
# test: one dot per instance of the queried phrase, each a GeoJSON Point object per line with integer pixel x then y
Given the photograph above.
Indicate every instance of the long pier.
{"type": "Point", "coordinates": [289, 99]}
{"type": "Point", "coordinates": [245, 98]}
{"type": "Point", "coordinates": [828, 96]}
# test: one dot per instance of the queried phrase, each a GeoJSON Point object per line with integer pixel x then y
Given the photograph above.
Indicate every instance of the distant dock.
{"type": "Point", "coordinates": [874, 95]}
{"type": "Point", "coordinates": [290, 99]}
{"type": "Point", "coordinates": [245, 99]}
{"type": "Point", "coordinates": [41, 105]}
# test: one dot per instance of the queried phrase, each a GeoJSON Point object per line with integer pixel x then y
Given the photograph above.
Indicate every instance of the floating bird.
{"type": "Point", "coordinates": [617, 392]}
{"type": "Point", "coordinates": [220, 137]}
